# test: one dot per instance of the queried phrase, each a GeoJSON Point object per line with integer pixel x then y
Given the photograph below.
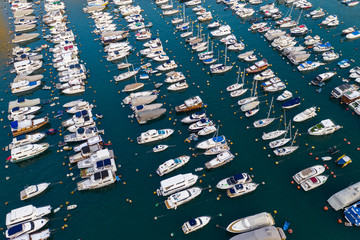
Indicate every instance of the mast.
{"type": "Point", "coordinates": [272, 99]}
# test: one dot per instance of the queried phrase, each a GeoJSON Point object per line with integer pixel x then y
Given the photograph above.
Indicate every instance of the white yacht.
{"type": "Point", "coordinates": [97, 180]}
{"type": "Point", "coordinates": [25, 140]}
{"type": "Point", "coordinates": [194, 117]}
{"type": "Point", "coordinates": [101, 165]}
{"type": "Point", "coordinates": [221, 31]}
{"type": "Point", "coordinates": [33, 190]}
{"type": "Point", "coordinates": [239, 178]}
{"type": "Point", "coordinates": [176, 183]}
{"type": "Point", "coordinates": [95, 157]}
{"type": "Point", "coordinates": [205, 122]}
{"type": "Point", "coordinates": [82, 134]}
{"type": "Point", "coordinates": [168, 65]}
{"type": "Point", "coordinates": [267, 74]}
{"type": "Point", "coordinates": [284, 96]}
{"type": "Point", "coordinates": [74, 90]}
{"type": "Point", "coordinates": [126, 75]}
{"type": "Point", "coordinates": [180, 85]}
{"type": "Point", "coordinates": [24, 86]}
{"type": "Point", "coordinates": [26, 213]}
{"type": "Point", "coordinates": [241, 189]}
{"type": "Point", "coordinates": [220, 160]}
{"type": "Point", "coordinates": [26, 152]}
{"type": "Point", "coordinates": [207, 130]}
{"type": "Point", "coordinates": [218, 148]}
{"type": "Point", "coordinates": [309, 66]}
{"type": "Point", "coordinates": [45, 234]}
{"type": "Point", "coordinates": [313, 182]}
{"type": "Point", "coordinates": [171, 165]}
{"type": "Point", "coordinates": [27, 67]}
{"type": "Point", "coordinates": [195, 224]}
{"type": "Point", "coordinates": [251, 223]}
{"type": "Point", "coordinates": [25, 228]}
{"type": "Point", "coordinates": [179, 198]}
{"type": "Point", "coordinates": [173, 77]}
{"type": "Point", "coordinates": [308, 173]}
{"type": "Point", "coordinates": [325, 127]}
{"type": "Point", "coordinates": [154, 135]}
{"type": "Point", "coordinates": [305, 115]}
{"type": "Point", "coordinates": [212, 142]}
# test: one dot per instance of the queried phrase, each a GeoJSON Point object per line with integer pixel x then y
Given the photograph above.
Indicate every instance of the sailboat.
{"type": "Point", "coordinates": [235, 86]}
{"type": "Point", "coordinates": [265, 121]}
{"type": "Point", "coordinates": [274, 134]}
{"type": "Point", "coordinates": [282, 141]}
{"type": "Point", "coordinates": [178, 19]}
{"type": "Point", "coordinates": [188, 33]}
{"type": "Point", "coordinates": [221, 68]}
{"type": "Point", "coordinates": [211, 60]}
{"type": "Point", "coordinates": [184, 23]}
{"type": "Point", "coordinates": [219, 147]}
{"type": "Point", "coordinates": [291, 23]}
{"type": "Point", "coordinates": [126, 75]}
{"type": "Point", "coordinates": [283, 151]}
{"type": "Point", "coordinates": [253, 95]}
{"type": "Point", "coordinates": [242, 90]}
{"type": "Point", "coordinates": [252, 112]}
{"type": "Point", "coordinates": [133, 87]}
{"type": "Point", "coordinates": [207, 54]}
{"type": "Point", "coordinates": [124, 65]}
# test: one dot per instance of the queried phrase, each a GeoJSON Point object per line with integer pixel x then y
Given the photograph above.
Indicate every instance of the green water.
{"type": "Point", "coordinates": [106, 213]}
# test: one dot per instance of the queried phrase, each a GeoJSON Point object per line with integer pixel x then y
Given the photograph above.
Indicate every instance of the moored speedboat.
{"type": "Point", "coordinates": [190, 104]}
{"type": "Point", "coordinates": [194, 117]}
{"type": "Point", "coordinates": [313, 182]}
{"type": "Point", "coordinates": [97, 180]}
{"type": "Point", "coordinates": [325, 127]}
{"type": "Point", "coordinates": [305, 115]}
{"type": "Point", "coordinates": [171, 165]}
{"type": "Point", "coordinates": [33, 190]}
{"type": "Point", "coordinates": [26, 152]}
{"type": "Point", "coordinates": [212, 142]}
{"type": "Point", "coordinates": [284, 96]}
{"type": "Point", "coordinates": [220, 160]}
{"type": "Point", "coordinates": [241, 189]}
{"type": "Point", "coordinates": [179, 198]}
{"type": "Point", "coordinates": [25, 140]}
{"type": "Point", "coordinates": [154, 135]}
{"type": "Point", "coordinates": [176, 183]}
{"type": "Point", "coordinates": [195, 224]}
{"type": "Point", "coordinates": [239, 178]}
{"type": "Point", "coordinates": [251, 222]}
{"type": "Point", "coordinates": [308, 173]}
{"type": "Point", "coordinates": [291, 103]}
{"type": "Point", "coordinates": [25, 228]}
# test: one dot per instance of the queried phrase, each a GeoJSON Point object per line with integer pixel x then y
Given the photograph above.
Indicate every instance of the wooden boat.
{"type": "Point", "coordinates": [190, 104]}
{"type": "Point", "coordinates": [25, 126]}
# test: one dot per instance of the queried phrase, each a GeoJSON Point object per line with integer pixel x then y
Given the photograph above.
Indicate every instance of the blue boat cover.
{"type": "Point", "coordinates": [107, 162]}
{"type": "Point", "coordinates": [15, 229]}
{"type": "Point", "coordinates": [32, 83]}
{"type": "Point", "coordinates": [239, 186]}
{"type": "Point", "coordinates": [15, 109]}
{"type": "Point", "coordinates": [84, 112]}
{"type": "Point", "coordinates": [238, 176]}
{"type": "Point", "coordinates": [218, 139]}
{"type": "Point", "coordinates": [204, 120]}
{"type": "Point", "coordinates": [292, 102]}
{"type": "Point", "coordinates": [78, 114]}
{"type": "Point", "coordinates": [192, 222]}
{"type": "Point", "coordinates": [231, 190]}
{"type": "Point", "coordinates": [139, 107]}
{"type": "Point", "coordinates": [81, 130]}
{"type": "Point", "coordinates": [14, 124]}
{"type": "Point", "coordinates": [21, 137]}
{"type": "Point", "coordinates": [352, 214]}
{"type": "Point", "coordinates": [20, 100]}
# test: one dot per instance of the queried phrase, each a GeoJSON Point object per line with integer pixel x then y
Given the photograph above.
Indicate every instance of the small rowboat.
{"type": "Point", "coordinates": [70, 207]}
{"type": "Point", "coordinates": [160, 148]}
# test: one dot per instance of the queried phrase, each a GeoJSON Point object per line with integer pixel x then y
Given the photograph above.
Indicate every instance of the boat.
{"type": "Point", "coordinates": [25, 139]}
{"type": "Point", "coordinates": [284, 96]}
{"type": "Point", "coordinates": [322, 47]}
{"type": "Point", "coordinates": [309, 66]}
{"type": "Point", "coordinates": [344, 63]}
{"type": "Point", "coordinates": [325, 127]}
{"type": "Point", "coordinates": [352, 214]}
{"type": "Point", "coordinates": [146, 107]}
{"type": "Point", "coordinates": [24, 37]}
{"type": "Point", "coordinates": [283, 151]}
{"type": "Point", "coordinates": [182, 197]}
{"type": "Point", "coordinates": [26, 213]}
{"type": "Point", "coordinates": [322, 78]}
{"type": "Point", "coordinates": [310, 41]}
{"type": "Point", "coordinates": [26, 227]}
{"type": "Point", "coordinates": [305, 115]}
{"type": "Point", "coordinates": [26, 152]}
{"type": "Point", "coordinates": [104, 154]}
{"type": "Point", "coordinates": [190, 104]}
{"type": "Point", "coordinates": [274, 134]}
{"type": "Point", "coordinates": [214, 24]}
{"type": "Point", "coordinates": [105, 164]}
{"type": "Point", "coordinates": [267, 74]}
{"type": "Point", "coordinates": [291, 103]}
{"type": "Point", "coordinates": [212, 142]}
{"type": "Point", "coordinates": [241, 189]}
{"type": "Point", "coordinates": [239, 178]}
{"type": "Point", "coordinates": [220, 160]}
{"type": "Point", "coordinates": [154, 135]}
{"type": "Point", "coordinates": [308, 173]}
{"type": "Point", "coordinates": [258, 66]}
{"type": "Point", "coordinates": [313, 182]}
{"type": "Point", "coordinates": [45, 234]}
{"type": "Point", "coordinates": [220, 68]}
{"type": "Point", "coordinates": [330, 56]}
{"type": "Point", "coordinates": [343, 160]}
{"type": "Point", "coordinates": [180, 85]}
{"type": "Point", "coordinates": [173, 77]}
{"type": "Point", "coordinates": [147, 115]}
{"type": "Point", "coordinates": [195, 117]}
{"type": "Point", "coordinates": [168, 65]}
{"type": "Point", "coordinates": [345, 197]}
{"type": "Point", "coordinates": [91, 145]}
{"type": "Point", "coordinates": [97, 180]}
{"type": "Point", "coordinates": [249, 106]}
{"type": "Point", "coordinates": [236, 85]}
{"type": "Point", "coordinates": [265, 121]}
{"type": "Point", "coordinates": [195, 224]}
{"type": "Point", "coordinates": [126, 75]}
{"type": "Point", "coordinates": [218, 148]}
{"type": "Point", "coordinates": [82, 134]}
{"type": "Point", "coordinates": [264, 233]}
{"type": "Point", "coordinates": [33, 190]}
{"type": "Point", "coordinates": [202, 123]}
{"type": "Point", "coordinates": [171, 165]}
{"type": "Point", "coordinates": [176, 183]}
{"type": "Point", "coordinates": [223, 30]}
{"type": "Point", "coordinates": [207, 130]}
{"type": "Point", "coordinates": [23, 102]}
{"type": "Point", "coordinates": [160, 148]}
{"type": "Point", "coordinates": [251, 223]}
{"type": "Point", "coordinates": [24, 86]}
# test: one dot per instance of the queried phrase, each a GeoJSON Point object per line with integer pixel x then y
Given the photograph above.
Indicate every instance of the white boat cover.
{"type": "Point", "coordinates": [265, 233]}
{"type": "Point", "coordinates": [345, 197]}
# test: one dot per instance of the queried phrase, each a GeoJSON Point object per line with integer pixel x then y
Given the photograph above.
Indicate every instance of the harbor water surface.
{"type": "Point", "coordinates": [129, 209]}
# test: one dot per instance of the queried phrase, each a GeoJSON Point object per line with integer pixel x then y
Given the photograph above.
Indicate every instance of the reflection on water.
{"type": "Point", "coordinates": [4, 38]}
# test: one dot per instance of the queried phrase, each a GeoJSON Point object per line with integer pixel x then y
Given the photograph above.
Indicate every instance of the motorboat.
{"type": "Point", "coordinates": [194, 117]}
{"type": "Point", "coordinates": [105, 164]}
{"type": "Point", "coordinates": [182, 197]}
{"type": "Point", "coordinates": [241, 189]}
{"type": "Point", "coordinates": [127, 75]}
{"type": "Point", "coordinates": [322, 78]}
{"type": "Point", "coordinates": [308, 173]}
{"type": "Point", "coordinates": [284, 96]}
{"type": "Point", "coordinates": [195, 224]}
{"type": "Point", "coordinates": [330, 21]}
{"type": "Point", "coordinates": [192, 3]}
{"type": "Point", "coordinates": [214, 24]}
{"type": "Point", "coordinates": [18, 112]}
{"type": "Point", "coordinates": [339, 91]}
{"type": "Point", "coordinates": [299, 30]}
{"type": "Point", "coordinates": [245, 54]}
{"type": "Point", "coordinates": [292, 103]}
{"type": "Point", "coordinates": [239, 178]}
{"type": "Point", "coordinates": [168, 65]}
{"type": "Point", "coordinates": [154, 135]}
{"type": "Point", "coordinates": [24, 86]}
{"type": "Point", "coordinates": [25, 126]}
{"type": "Point", "coordinates": [160, 148]}
{"type": "Point", "coordinates": [310, 41]}
{"type": "Point", "coordinates": [305, 115]}
{"type": "Point", "coordinates": [202, 123]}
{"type": "Point", "coordinates": [97, 180]}
{"type": "Point", "coordinates": [218, 148]}
{"type": "Point", "coordinates": [220, 160]}
{"type": "Point", "coordinates": [82, 134]}
{"type": "Point", "coordinates": [190, 104]}
{"type": "Point", "coordinates": [33, 190]}
{"type": "Point", "coordinates": [145, 107]}
{"type": "Point", "coordinates": [104, 154]}
{"type": "Point", "coordinates": [250, 106]}
{"type": "Point", "coordinates": [352, 214]}
{"type": "Point", "coordinates": [313, 182]}
{"type": "Point", "coordinates": [173, 77]}
{"type": "Point", "coordinates": [271, 82]}
{"type": "Point", "coordinates": [24, 37]}
{"type": "Point", "coordinates": [133, 96]}
{"type": "Point", "coordinates": [325, 127]}
{"type": "Point", "coordinates": [25, 228]}
{"type": "Point", "coordinates": [258, 66]}
{"type": "Point", "coordinates": [330, 56]}
{"type": "Point", "coordinates": [25, 140]}
{"type": "Point", "coordinates": [171, 165]}
{"type": "Point", "coordinates": [212, 142]}
{"type": "Point", "coordinates": [267, 74]}
{"type": "Point", "coordinates": [176, 183]}
{"type": "Point", "coordinates": [269, 232]}
{"type": "Point", "coordinates": [344, 63]}
{"type": "Point", "coordinates": [322, 47]}
{"type": "Point", "coordinates": [317, 13]}
{"type": "Point", "coordinates": [221, 31]}
{"type": "Point", "coordinates": [207, 130]}
{"type": "Point", "coordinates": [180, 85]}
{"type": "Point", "coordinates": [251, 223]}
{"type": "Point", "coordinates": [309, 66]}
{"type": "Point", "coordinates": [45, 234]}
{"type": "Point", "coordinates": [272, 34]}
{"type": "Point", "coordinates": [26, 213]}
{"type": "Point", "coordinates": [74, 90]}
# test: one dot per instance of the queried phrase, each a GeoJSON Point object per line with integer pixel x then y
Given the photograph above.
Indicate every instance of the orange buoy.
{"type": "Point", "coordinates": [292, 182]}
{"type": "Point", "coordinates": [290, 231]}
{"type": "Point", "coordinates": [316, 158]}
{"type": "Point", "coordinates": [345, 139]}
{"type": "Point", "coordinates": [325, 165]}
{"type": "Point", "coordinates": [334, 176]}
{"type": "Point", "coordinates": [298, 187]}
{"type": "Point", "coordinates": [348, 143]}
{"type": "Point", "coordinates": [332, 172]}
{"type": "Point", "coordinates": [326, 208]}
{"type": "Point", "coordinates": [310, 154]}
{"type": "Point", "coordinates": [339, 221]}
